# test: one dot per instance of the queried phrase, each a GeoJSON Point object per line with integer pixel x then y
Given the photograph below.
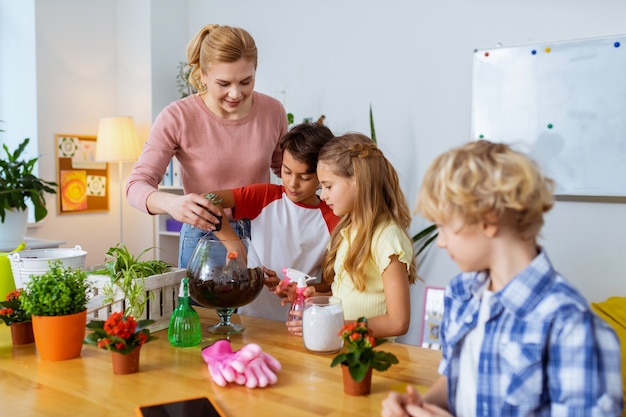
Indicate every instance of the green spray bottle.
{"type": "Point", "coordinates": [184, 329]}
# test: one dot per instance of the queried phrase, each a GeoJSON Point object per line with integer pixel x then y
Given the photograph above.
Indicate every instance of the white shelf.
{"type": "Point", "coordinates": [167, 241]}
{"type": "Point", "coordinates": [166, 233]}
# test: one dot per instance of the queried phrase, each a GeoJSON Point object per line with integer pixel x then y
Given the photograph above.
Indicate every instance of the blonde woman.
{"type": "Point", "coordinates": [225, 136]}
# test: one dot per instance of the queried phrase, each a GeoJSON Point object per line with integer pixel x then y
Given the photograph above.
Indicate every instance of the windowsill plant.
{"type": "Point", "coordinates": [18, 185]}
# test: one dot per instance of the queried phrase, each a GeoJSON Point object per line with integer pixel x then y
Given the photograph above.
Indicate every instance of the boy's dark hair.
{"type": "Point", "coordinates": [304, 142]}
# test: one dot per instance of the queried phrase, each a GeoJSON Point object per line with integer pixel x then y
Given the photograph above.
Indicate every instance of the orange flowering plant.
{"type": "Point", "coordinates": [119, 333]}
{"type": "Point", "coordinates": [358, 350]}
{"type": "Point", "coordinates": [11, 310]}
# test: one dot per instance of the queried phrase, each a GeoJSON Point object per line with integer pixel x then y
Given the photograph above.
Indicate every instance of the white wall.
{"type": "Point", "coordinates": [17, 66]}
{"type": "Point", "coordinates": [411, 60]}
{"type": "Point", "coordinates": [93, 60]}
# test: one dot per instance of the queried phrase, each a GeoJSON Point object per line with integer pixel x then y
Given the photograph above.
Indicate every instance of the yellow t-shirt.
{"type": "Point", "coordinates": [388, 240]}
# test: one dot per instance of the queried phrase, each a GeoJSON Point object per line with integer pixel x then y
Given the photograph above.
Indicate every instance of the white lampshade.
{"type": "Point", "coordinates": [117, 140]}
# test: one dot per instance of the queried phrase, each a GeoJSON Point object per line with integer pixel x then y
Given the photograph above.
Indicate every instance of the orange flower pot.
{"type": "Point", "coordinates": [351, 387]}
{"type": "Point", "coordinates": [124, 364]}
{"type": "Point", "coordinates": [58, 338]}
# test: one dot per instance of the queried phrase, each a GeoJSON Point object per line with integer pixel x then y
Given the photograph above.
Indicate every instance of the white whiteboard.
{"type": "Point", "coordinates": [564, 104]}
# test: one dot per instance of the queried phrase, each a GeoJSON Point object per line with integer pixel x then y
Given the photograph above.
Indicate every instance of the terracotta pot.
{"type": "Point", "coordinates": [126, 364]}
{"type": "Point", "coordinates": [22, 333]}
{"type": "Point", "coordinates": [58, 338]}
{"type": "Point", "coordinates": [351, 387]}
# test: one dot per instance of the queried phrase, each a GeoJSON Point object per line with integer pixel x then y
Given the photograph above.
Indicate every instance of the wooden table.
{"type": "Point", "coordinates": [307, 385]}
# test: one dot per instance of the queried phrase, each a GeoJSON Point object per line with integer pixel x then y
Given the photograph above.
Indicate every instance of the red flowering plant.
{"type": "Point", "coordinates": [11, 310]}
{"type": "Point", "coordinates": [119, 333]}
{"type": "Point", "coordinates": [358, 350]}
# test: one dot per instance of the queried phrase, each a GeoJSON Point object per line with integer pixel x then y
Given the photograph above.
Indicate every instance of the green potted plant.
{"type": "Point", "coordinates": [358, 357]}
{"type": "Point", "coordinates": [57, 301]}
{"type": "Point", "coordinates": [18, 185]}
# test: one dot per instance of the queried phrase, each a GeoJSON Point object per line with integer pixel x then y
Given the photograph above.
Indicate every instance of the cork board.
{"type": "Point", "coordinates": [83, 182]}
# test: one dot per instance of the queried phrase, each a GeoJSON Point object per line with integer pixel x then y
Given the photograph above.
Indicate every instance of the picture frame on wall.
{"type": "Point", "coordinates": [83, 182]}
{"type": "Point", "coordinates": [431, 317]}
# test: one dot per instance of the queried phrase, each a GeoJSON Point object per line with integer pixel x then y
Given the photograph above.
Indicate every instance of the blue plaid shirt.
{"type": "Point", "coordinates": [545, 353]}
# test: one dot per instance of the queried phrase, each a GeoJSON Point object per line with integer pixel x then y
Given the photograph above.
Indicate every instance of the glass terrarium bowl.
{"type": "Point", "coordinates": [224, 275]}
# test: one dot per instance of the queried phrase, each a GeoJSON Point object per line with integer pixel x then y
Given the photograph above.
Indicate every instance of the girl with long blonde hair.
{"type": "Point", "coordinates": [370, 263]}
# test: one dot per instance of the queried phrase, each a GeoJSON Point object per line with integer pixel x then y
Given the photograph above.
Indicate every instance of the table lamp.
{"type": "Point", "coordinates": [117, 141]}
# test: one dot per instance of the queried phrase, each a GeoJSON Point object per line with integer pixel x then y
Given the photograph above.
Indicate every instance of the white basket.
{"type": "Point", "coordinates": [161, 292]}
{"type": "Point", "coordinates": [27, 263]}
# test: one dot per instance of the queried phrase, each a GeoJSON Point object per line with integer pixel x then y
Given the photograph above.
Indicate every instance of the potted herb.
{"type": "Point", "coordinates": [57, 301]}
{"type": "Point", "coordinates": [13, 314]}
{"type": "Point", "coordinates": [18, 185]}
{"type": "Point", "coordinates": [358, 357]}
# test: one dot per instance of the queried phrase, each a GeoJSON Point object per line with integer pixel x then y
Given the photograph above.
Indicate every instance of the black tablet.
{"type": "Point", "coordinates": [193, 407]}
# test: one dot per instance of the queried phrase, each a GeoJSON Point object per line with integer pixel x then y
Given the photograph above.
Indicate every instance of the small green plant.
{"type": "Point", "coordinates": [128, 275]}
{"type": "Point", "coordinates": [358, 350]}
{"type": "Point", "coordinates": [18, 184]}
{"type": "Point", "coordinates": [58, 292]}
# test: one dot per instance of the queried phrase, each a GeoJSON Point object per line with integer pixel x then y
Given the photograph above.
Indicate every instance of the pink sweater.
{"type": "Point", "coordinates": [214, 153]}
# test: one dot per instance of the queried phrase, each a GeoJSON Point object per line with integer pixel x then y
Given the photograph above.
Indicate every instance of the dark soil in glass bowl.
{"type": "Point", "coordinates": [220, 290]}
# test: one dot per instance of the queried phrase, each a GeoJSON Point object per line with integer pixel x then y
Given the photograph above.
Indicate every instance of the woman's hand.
{"type": "Point", "coordinates": [195, 210]}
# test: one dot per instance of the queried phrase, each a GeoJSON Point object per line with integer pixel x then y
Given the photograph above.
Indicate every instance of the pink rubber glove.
{"type": "Point", "coordinates": [258, 367]}
{"type": "Point", "coordinates": [261, 371]}
{"type": "Point", "coordinates": [218, 356]}
{"type": "Point", "coordinates": [249, 365]}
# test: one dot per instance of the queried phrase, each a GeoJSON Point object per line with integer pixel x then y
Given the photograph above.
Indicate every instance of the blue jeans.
{"type": "Point", "coordinates": [189, 237]}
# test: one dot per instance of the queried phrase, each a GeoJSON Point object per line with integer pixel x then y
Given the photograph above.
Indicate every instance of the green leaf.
{"type": "Point", "coordinates": [429, 234]}
{"type": "Point", "coordinates": [372, 129]}
{"type": "Point", "coordinates": [95, 324]}
{"type": "Point", "coordinates": [341, 358]}
{"type": "Point", "coordinates": [142, 324]}
{"type": "Point", "coordinates": [91, 339]}
{"type": "Point", "coordinates": [358, 371]}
